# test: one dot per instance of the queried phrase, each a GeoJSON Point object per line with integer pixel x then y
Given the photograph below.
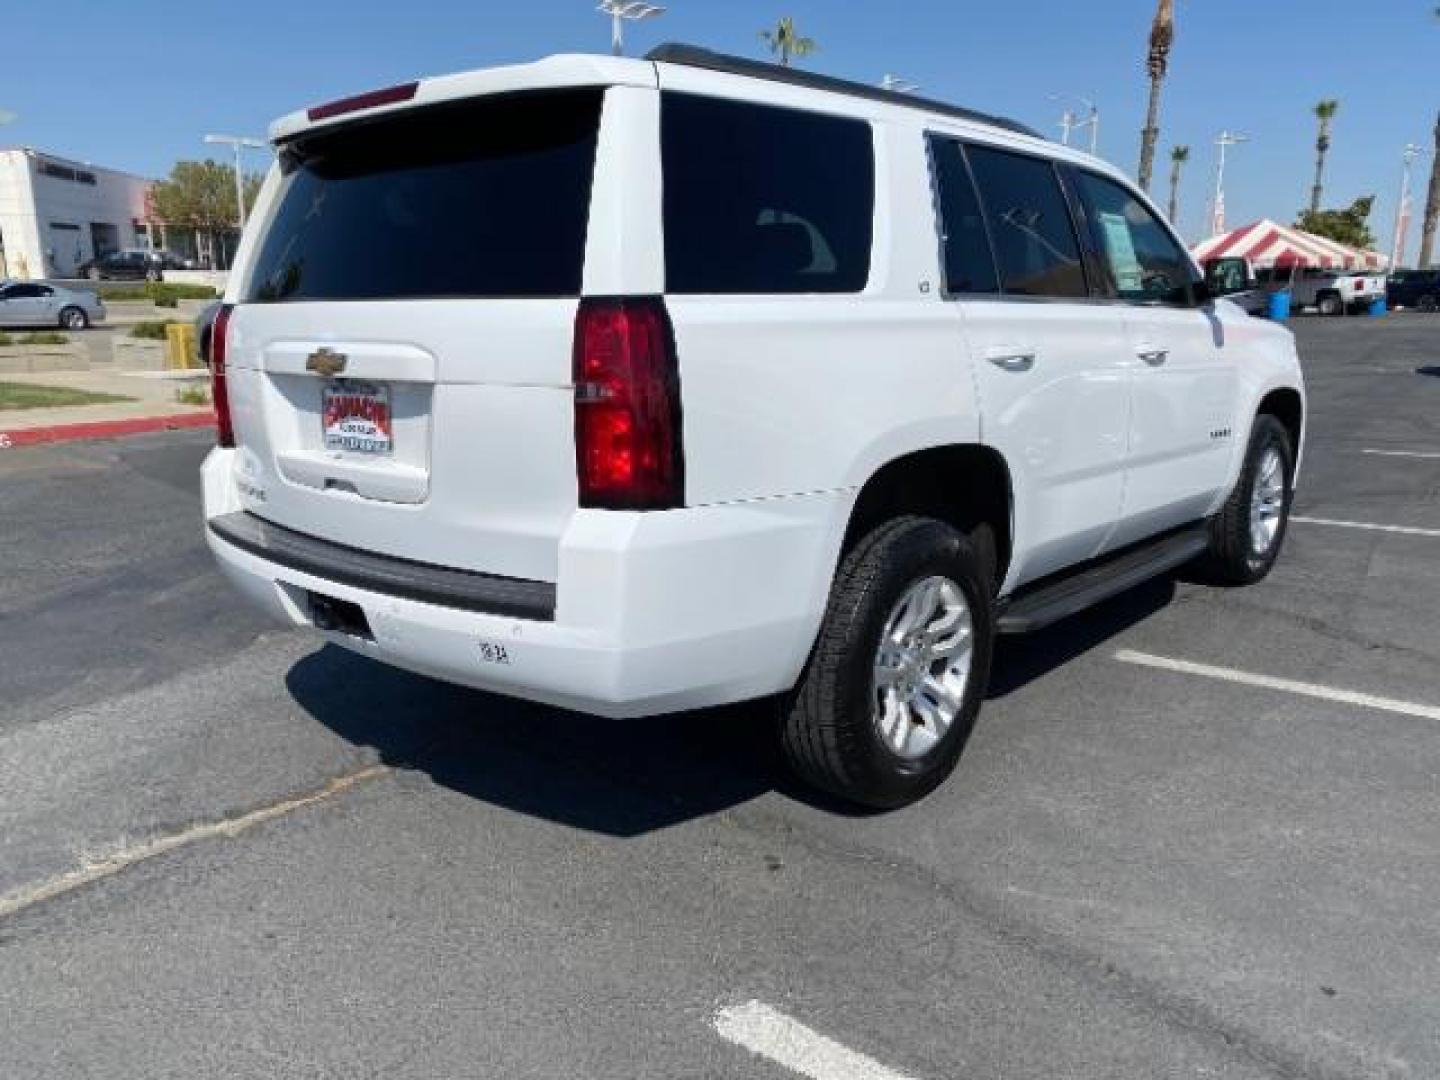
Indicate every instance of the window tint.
{"type": "Point", "coordinates": [969, 263]}
{"type": "Point", "coordinates": [482, 198]}
{"type": "Point", "coordinates": [1030, 223]}
{"type": "Point", "coordinates": [24, 292]}
{"type": "Point", "coordinates": [764, 200]}
{"type": "Point", "coordinates": [1143, 259]}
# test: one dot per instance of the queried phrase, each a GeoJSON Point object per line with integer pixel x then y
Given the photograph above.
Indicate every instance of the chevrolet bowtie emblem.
{"type": "Point", "coordinates": [326, 361]}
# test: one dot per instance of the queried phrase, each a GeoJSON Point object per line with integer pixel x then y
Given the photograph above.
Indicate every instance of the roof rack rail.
{"type": "Point", "coordinates": [709, 60]}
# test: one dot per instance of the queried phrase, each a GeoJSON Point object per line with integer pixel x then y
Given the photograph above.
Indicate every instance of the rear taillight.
{"type": "Point", "coordinates": [1359, 284]}
{"type": "Point", "coordinates": [219, 393]}
{"type": "Point", "coordinates": [627, 406]}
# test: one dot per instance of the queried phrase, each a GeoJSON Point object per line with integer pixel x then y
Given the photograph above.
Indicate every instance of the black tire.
{"type": "Point", "coordinates": [1331, 304]}
{"type": "Point", "coordinates": [68, 318]}
{"type": "Point", "coordinates": [1233, 558]}
{"type": "Point", "coordinates": [1426, 303]}
{"type": "Point", "coordinates": [828, 730]}
{"type": "Point", "coordinates": [94, 273]}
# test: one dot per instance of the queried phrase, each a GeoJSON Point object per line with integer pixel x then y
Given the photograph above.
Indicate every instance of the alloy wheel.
{"type": "Point", "coordinates": [922, 666]}
{"type": "Point", "coordinates": [1267, 502]}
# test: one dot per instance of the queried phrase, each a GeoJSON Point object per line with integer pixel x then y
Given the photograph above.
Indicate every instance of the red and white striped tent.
{"type": "Point", "coordinates": [1267, 243]}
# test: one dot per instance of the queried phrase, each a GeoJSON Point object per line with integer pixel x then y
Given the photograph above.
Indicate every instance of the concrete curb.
{"type": "Point", "coordinates": [103, 429]}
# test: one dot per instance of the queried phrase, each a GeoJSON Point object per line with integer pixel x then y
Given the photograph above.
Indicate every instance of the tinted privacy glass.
{"type": "Point", "coordinates": [969, 264]}
{"type": "Point", "coordinates": [762, 200]}
{"type": "Point", "coordinates": [486, 198]}
{"type": "Point", "coordinates": [1034, 238]}
{"type": "Point", "coordinates": [1144, 261]}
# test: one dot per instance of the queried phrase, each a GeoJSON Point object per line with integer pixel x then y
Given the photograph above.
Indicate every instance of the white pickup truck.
{"type": "Point", "coordinates": [1331, 292]}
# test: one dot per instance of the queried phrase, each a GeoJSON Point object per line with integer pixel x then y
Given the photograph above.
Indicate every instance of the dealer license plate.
{"type": "Point", "coordinates": [355, 417]}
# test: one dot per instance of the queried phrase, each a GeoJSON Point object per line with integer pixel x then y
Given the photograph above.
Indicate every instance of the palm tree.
{"type": "Point", "coordinates": [1157, 64]}
{"type": "Point", "coordinates": [1325, 113]}
{"type": "Point", "coordinates": [784, 42]}
{"type": "Point", "coordinates": [1431, 221]}
{"type": "Point", "coordinates": [1179, 155]}
{"type": "Point", "coordinates": [1432, 201]}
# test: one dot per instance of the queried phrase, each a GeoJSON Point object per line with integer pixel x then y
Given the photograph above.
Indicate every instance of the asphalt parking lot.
{"type": "Point", "coordinates": [1196, 833]}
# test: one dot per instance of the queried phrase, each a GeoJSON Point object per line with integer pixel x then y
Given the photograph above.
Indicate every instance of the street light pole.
{"type": "Point", "coordinates": [1402, 209]}
{"type": "Point", "coordinates": [619, 11]}
{"type": "Point", "coordinates": [235, 142]}
{"type": "Point", "coordinates": [1224, 141]}
{"type": "Point", "coordinates": [1070, 122]}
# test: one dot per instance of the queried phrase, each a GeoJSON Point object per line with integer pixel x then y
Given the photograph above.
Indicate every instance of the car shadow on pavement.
{"type": "Point", "coordinates": [1429, 369]}
{"type": "Point", "coordinates": [1019, 661]}
{"type": "Point", "coordinates": [621, 778]}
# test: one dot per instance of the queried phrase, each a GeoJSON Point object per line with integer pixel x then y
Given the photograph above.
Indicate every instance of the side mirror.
{"type": "Point", "coordinates": [1227, 276]}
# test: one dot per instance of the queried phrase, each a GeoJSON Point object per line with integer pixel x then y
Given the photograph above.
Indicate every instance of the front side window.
{"type": "Point", "coordinates": [1035, 243]}
{"type": "Point", "coordinates": [1145, 263]}
{"type": "Point", "coordinates": [969, 263]}
{"type": "Point", "coordinates": [764, 200]}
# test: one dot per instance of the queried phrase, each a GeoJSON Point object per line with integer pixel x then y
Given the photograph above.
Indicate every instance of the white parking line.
{"type": "Point", "coordinates": [1403, 530]}
{"type": "Point", "coordinates": [36, 892]}
{"type": "Point", "coordinates": [1289, 686]}
{"type": "Point", "coordinates": [779, 1038]}
{"type": "Point", "coordinates": [1402, 453]}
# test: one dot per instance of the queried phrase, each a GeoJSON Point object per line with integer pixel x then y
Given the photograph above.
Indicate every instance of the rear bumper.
{"type": "Point", "coordinates": [653, 613]}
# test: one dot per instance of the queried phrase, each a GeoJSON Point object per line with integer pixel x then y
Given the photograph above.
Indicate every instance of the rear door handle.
{"type": "Point", "coordinates": [1152, 356]}
{"type": "Point", "coordinates": [1011, 358]}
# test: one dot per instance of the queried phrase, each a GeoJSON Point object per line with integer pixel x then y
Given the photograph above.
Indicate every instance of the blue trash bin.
{"type": "Point", "coordinates": [1378, 307]}
{"type": "Point", "coordinates": [1279, 307]}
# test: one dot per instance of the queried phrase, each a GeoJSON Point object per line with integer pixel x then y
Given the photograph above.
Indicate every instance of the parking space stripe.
{"type": "Point", "coordinates": [1403, 530]}
{"type": "Point", "coordinates": [1403, 453]}
{"type": "Point", "coordinates": [17, 900]}
{"type": "Point", "coordinates": [771, 1034]}
{"type": "Point", "coordinates": [1289, 686]}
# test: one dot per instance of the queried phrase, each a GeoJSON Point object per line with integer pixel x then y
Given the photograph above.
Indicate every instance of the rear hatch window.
{"type": "Point", "coordinates": [485, 198]}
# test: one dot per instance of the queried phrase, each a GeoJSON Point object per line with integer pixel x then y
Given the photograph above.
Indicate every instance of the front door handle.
{"type": "Point", "coordinates": [1153, 356]}
{"type": "Point", "coordinates": [1011, 359]}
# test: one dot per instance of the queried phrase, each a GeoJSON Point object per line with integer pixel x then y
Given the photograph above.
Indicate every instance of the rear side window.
{"type": "Point", "coordinates": [969, 264]}
{"type": "Point", "coordinates": [764, 200]}
{"type": "Point", "coordinates": [1035, 243]}
{"type": "Point", "coordinates": [483, 198]}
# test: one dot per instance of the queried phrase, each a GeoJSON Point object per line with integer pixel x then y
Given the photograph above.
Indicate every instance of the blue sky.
{"type": "Point", "coordinates": [134, 85]}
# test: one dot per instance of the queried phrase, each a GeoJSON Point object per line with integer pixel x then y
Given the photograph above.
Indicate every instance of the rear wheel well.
{"type": "Point", "coordinates": [964, 486]}
{"type": "Point", "coordinates": [1285, 406]}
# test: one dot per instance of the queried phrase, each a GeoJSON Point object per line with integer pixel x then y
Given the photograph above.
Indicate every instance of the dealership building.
{"type": "Point", "coordinates": [56, 213]}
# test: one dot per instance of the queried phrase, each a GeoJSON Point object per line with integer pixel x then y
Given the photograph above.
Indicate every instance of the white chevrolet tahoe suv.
{"type": "Point", "coordinates": [635, 386]}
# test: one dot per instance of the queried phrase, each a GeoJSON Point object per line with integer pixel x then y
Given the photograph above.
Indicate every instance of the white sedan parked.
{"type": "Point", "coordinates": [34, 303]}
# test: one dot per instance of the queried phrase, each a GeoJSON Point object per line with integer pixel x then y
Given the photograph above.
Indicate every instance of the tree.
{"type": "Point", "coordinates": [1432, 206]}
{"type": "Point", "coordinates": [1432, 201]}
{"type": "Point", "coordinates": [1157, 65]}
{"type": "Point", "coordinates": [1350, 226]}
{"type": "Point", "coordinates": [1324, 112]}
{"type": "Point", "coordinates": [200, 195]}
{"type": "Point", "coordinates": [784, 42]}
{"type": "Point", "coordinates": [1179, 155]}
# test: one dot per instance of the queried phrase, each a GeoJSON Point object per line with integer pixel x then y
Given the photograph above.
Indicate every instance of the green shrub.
{"type": "Point", "coordinates": [151, 329]}
{"type": "Point", "coordinates": [161, 293]}
{"type": "Point", "coordinates": [165, 294]}
{"type": "Point", "coordinates": [6, 339]}
{"type": "Point", "coordinates": [193, 395]}
{"type": "Point", "coordinates": [42, 337]}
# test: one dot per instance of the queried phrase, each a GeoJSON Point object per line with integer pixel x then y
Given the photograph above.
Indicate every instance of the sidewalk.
{"type": "Point", "coordinates": [154, 407]}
